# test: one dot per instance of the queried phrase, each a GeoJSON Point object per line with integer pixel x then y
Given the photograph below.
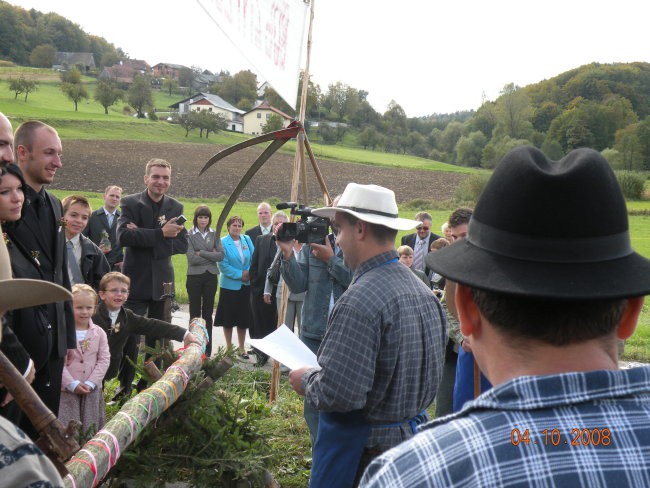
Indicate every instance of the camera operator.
{"type": "Point", "coordinates": [319, 271]}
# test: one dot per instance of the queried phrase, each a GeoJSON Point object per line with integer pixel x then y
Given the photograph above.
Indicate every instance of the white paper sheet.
{"type": "Point", "coordinates": [285, 347]}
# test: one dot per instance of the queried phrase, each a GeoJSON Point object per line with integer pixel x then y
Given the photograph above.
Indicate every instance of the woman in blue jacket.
{"type": "Point", "coordinates": [234, 309]}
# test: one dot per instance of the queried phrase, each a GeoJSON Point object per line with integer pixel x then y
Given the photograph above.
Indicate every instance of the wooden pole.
{"type": "Point", "coordinates": [299, 169]}
{"type": "Point", "coordinates": [94, 460]}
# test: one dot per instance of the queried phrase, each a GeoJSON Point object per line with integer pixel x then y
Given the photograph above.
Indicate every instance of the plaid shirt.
{"type": "Point", "coordinates": [476, 447]}
{"type": "Point", "coordinates": [382, 351]}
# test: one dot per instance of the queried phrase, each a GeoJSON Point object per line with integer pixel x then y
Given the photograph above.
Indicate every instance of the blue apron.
{"type": "Point", "coordinates": [339, 445]}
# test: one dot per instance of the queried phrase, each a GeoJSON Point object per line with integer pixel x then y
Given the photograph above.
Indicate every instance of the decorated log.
{"type": "Point", "coordinates": [95, 459]}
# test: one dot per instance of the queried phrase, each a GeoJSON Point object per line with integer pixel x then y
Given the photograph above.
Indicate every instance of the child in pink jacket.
{"type": "Point", "coordinates": [82, 397]}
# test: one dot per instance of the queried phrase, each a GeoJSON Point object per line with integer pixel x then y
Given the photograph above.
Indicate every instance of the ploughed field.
{"type": "Point", "coordinates": [92, 165]}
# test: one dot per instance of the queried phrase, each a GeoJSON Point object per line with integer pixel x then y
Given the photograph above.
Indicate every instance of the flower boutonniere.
{"type": "Point", "coordinates": [62, 223]}
{"type": "Point", "coordinates": [84, 345]}
{"type": "Point", "coordinates": [7, 241]}
{"type": "Point", "coordinates": [115, 328]}
{"type": "Point", "coordinates": [35, 255]}
{"type": "Point", "coordinates": [162, 220]}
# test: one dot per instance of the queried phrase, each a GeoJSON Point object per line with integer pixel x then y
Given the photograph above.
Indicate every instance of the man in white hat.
{"type": "Point", "coordinates": [382, 353]}
{"type": "Point", "coordinates": [23, 463]}
{"type": "Point", "coordinates": [543, 301]}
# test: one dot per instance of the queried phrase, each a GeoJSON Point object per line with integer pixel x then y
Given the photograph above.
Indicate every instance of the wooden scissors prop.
{"type": "Point", "coordinates": [279, 138]}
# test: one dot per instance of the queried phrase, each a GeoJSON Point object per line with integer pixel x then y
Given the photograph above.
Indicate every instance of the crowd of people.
{"type": "Point", "coordinates": [508, 320]}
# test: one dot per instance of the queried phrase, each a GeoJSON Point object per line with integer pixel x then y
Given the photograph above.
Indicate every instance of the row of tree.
{"type": "Point", "coordinates": [26, 35]}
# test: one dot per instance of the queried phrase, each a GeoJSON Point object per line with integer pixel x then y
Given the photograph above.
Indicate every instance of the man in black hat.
{"type": "Point", "coordinates": [543, 300]}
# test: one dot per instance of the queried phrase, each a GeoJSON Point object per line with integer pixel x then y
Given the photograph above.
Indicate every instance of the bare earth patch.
{"type": "Point", "coordinates": [92, 165]}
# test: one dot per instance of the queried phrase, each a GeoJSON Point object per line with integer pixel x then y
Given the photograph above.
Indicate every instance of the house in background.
{"type": "Point", "coordinates": [256, 118]}
{"type": "Point", "coordinates": [261, 90]}
{"type": "Point", "coordinates": [215, 104]}
{"type": "Point", "coordinates": [124, 72]}
{"type": "Point", "coordinates": [168, 70]}
{"type": "Point", "coordinates": [65, 61]}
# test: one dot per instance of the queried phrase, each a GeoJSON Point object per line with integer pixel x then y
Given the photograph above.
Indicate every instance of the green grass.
{"type": "Point", "coordinates": [50, 105]}
{"type": "Point", "coordinates": [638, 347]}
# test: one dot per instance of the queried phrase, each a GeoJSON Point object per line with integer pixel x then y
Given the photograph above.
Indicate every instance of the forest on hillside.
{"type": "Point", "coordinates": [604, 106]}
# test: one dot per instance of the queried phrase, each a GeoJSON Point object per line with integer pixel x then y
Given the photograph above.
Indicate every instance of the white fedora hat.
{"type": "Point", "coordinates": [22, 293]}
{"type": "Point", "coordinates": [370, 203]}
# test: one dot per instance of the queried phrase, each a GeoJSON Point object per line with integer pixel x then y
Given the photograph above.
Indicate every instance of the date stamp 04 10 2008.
{"type": "Point", "coordinates": [553, 437]}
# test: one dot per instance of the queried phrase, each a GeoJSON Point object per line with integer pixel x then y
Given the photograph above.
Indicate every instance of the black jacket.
{"type": "Point", "coordinates": [93, 263]}
{"type": "Point", "coordinates": [30, 258]}
{"type": "Point", "coordinates": [147, 253]}
{"type": "Point", "coordinates": [97, 225]}
{"type": "Point", "coordinates": [131, 323]}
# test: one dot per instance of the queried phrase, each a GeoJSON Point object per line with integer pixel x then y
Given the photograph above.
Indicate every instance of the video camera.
{"type": "Point", "coordinates": [309, 229]}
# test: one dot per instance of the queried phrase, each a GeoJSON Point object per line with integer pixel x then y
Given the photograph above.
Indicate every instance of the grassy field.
{"type": "Point", "coordinates": [50, 105]}
{"type": "Point", "coordinates": [638, 347]}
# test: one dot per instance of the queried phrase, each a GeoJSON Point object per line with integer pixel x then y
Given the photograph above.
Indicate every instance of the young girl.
{"type": "Point", "coordinates": [81, 388]}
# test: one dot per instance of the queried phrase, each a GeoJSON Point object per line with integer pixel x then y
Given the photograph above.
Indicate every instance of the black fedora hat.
{"type": "Point", "coordinates": [549, 229]}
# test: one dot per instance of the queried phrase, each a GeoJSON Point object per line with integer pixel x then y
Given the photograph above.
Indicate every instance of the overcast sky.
{"type": "Point", "coordinates": [429, 56]}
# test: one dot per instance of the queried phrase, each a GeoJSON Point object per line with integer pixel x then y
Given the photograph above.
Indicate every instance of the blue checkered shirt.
{"type": "Point", "coordinates": [382, 352]}
{"type": "Point", "coordinates": [475, 447]}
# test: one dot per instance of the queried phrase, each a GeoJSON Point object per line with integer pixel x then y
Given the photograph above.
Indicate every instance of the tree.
{"type": "Point", "coordinates": [71, 76]}
{"type": "Point", "coordinates": [273, 123]}
{"type": "Point", "coordinates": [187, 76]}
{"type": "Point", "coordinates": [75, 92]}
{"type": "Point", "coordinates": [107, 94]}
{"type": "Point", "coordinates": [43, 56]}
{"type": "Point", "coordinates": [139, 95]}
{"type": "Point", "coordinates": [369, 137]}
{"type": "Point", "coordinates": [513, 112]}
{"type": "Point", "coordinates": [629, 148]}
{"type": "Point", "coordinates": [188, 121]}
{"type": "Point", "coordinates": [169, 84]}
{"type": "Point", "coordinates": [275, 100]}
{"type": "Point", "coordinates": [210, 122]}
{"type": "Point", "coordinates": [469, 149]}
{"type": "Point", "coordinates": [313, 97]}
{"type": "Point", "coordinates": [241, 87]}
{"type": "Point", "coordinates": [331, 134]}
{"type": "Point", "coordinates": [22, 85]}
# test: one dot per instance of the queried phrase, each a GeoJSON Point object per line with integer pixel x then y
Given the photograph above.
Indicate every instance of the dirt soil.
{"type": "Point", "coordinates": [92, 165]}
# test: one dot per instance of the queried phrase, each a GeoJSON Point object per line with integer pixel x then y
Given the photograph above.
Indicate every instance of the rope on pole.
{"type": "Point", "coordinates": [90, 465]}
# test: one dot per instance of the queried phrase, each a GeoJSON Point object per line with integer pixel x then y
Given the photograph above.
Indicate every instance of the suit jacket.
{"type": "Point", "coordinates": [210, 253]}
{"type": "Point", "coordinates": [254, 233]}
{"type": "Point", "coordinates": [30, 258]}
{"type": "Point", "coordinates": [97, 225]}
{"type": "Point", "coordinates": [265, 249]}
{"type": "Point", "coordinates": [231, 266]}
{"type": "Point", "coordinates": [409, 240]}
{"type": "Point", "coordinates": [147, 257]}
{"type": "Point", "coordinates": [130, 323]}
{"type": "Point", "coordinates": [89, 363]}
{"type": "Point", "coordinates": [93, 263]}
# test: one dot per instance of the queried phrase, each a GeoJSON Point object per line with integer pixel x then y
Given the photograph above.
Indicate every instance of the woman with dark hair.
{"type": "Point", "coordinates": [12, 194]}
{"type": "Point", "coordinates": [12, 197]}
{"type": "Point", "coordinates": [234, 308]}
{"type": "Point", "coordinates": [204, 251]}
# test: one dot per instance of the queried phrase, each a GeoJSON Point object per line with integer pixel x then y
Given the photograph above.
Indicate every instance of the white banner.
{"type": "Point", "coordinates": [269, 33]}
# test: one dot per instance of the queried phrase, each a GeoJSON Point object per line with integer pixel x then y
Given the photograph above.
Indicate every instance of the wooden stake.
{"type": "Point", "coordinates": [299, 170]}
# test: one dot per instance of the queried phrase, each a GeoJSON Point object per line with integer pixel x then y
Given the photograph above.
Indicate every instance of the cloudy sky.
{"type": "Point", "coordinates": [429, 56]}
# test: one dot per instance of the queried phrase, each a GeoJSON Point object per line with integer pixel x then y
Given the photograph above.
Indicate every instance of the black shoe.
{"type": "Point", "coordinates": [142, 385]}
